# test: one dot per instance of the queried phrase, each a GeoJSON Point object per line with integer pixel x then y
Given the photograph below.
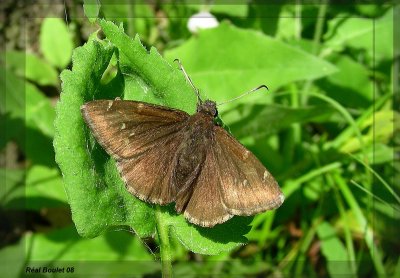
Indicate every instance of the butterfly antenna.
{"type": "Point", "coordinates": [189, 80]}
{"type": "Point", "coordinates": [242, 95]}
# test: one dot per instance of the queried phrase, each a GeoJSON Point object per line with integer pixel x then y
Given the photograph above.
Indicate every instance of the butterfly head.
{"type": "Point", "coordinates": [208, 107]}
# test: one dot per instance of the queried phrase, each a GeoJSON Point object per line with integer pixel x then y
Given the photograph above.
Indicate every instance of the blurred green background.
{"type": "Point", "coordinates": [325, 130]}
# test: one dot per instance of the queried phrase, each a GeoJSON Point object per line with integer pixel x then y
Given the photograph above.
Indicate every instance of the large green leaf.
{"type": "Point", "coordinates": [95, 192]}
{"type": "Point", "coordinates": [227, 61]}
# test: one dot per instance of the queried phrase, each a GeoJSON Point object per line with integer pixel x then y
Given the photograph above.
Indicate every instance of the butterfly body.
{"type": "Point", "coordinates": [165, 155]}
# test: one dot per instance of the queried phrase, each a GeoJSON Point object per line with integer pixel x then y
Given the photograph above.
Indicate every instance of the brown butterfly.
{"type": "Point", "coordinates": [165, 155]}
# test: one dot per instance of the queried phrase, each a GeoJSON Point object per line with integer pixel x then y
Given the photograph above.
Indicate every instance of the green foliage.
{"type": "Point", "coordinates": [18, 61]}
{"type": "Point", "coordinates": [77, 155]}
{"type": "Point", "coordinates": [255, 59]}
{"type": "Point", "coordinates": [55, 42]}
{"type": "Point", "coordinates": [358, 33]}
{"type": "Point", "coordinates": [99, 199]}
{"type": "Point", "coordinates": [333, 250]}
{"type": "Point", "coordinates": [326, 130]}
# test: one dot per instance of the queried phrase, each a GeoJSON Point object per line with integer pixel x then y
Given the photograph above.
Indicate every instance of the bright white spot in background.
{"type": "Point", "coordinates": [202, 20]}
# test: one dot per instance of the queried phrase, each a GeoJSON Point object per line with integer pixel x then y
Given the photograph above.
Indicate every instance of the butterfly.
{"type": "Point", "coordinates": [165, 155]}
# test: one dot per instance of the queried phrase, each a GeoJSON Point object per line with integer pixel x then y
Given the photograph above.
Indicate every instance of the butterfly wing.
{"type": "Point", "coordinates": [205, 207]}
{"type": "Point", "coordinates": [246, 187]}
{"type": "Point", "coordinates": [148, 176]}
{"type": "Point", "coordinates": [126, 129]}
{"type": "Point", "coordinates": [143, 139]}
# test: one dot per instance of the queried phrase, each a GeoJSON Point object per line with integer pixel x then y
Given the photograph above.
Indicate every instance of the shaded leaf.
{"type": "Point", "coordinates": [333, 250]}
{"type": "Point", "coordinates": [360, 32]}
{"type": "Point", "coordinates": [91, 9]}
{"type": "Point", "coordinates": [351, 85]}
{"type": "Point", "coordinates": [44, 188]}
{"type": "Point", "coordinates": [13, 185]}
{"type": "Point", "coordinates": [221, 238]}
{"type": "Point", "coordinates": [263, 120]}
{"type": "Point", "coordinates": [112, 246]}
{"type": "Point", "coordinates": [31, 67]}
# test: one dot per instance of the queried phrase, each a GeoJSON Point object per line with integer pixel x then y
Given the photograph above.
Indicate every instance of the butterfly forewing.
{"type": "Point", "coordinates": [143, 138]}
{"type": "Point", "coordinates": [246, 187]}
{"type": "Point", "coordinates": [129, 128]}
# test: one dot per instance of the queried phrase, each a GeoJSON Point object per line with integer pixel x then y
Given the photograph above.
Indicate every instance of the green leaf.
{"type": "Point", "coordinates": [333, 250]}
{"type": "Point", "coordinates": [359, 33]}
{"type": "Point", "coordinates": [12, 108]}
{"type": "Point", "coordinates": [95, 191]}
{"type": "Point", "coordinates": [39, 118]}
{"type": "Point", "coordinates": [233, 10]}
{"type": "Point", "coordinates": [39, 112]}
{"type": "Point", "coordinates": [13, 185]}
{"type": "Point", "coordinates": [262, 120]}
{"type": "Point", "coordinates": [31, 67]}
{"type": "Point", "coordinates": [14, 104]}
{"type": "Point", "coordinates": [112, 246]}
{"type": "Point", "coordinates": [226, 61]}
{"type": "Point", "coordinates": [92, 9]}
{"type": "Point", "coordinates": [221, 238]}
{"type": "Point", "coordinates": [56, 42]}
{"type": "Point", "coordinates": [147, 76]}
{"type": "Point", "coordinates": [12, 257]}
{"type": "Point", "coordinates": [351, 85]}
{"type": "Point", "coordinates": [114, 253]}
{"type": "Point", "coordinates": [44, 188]}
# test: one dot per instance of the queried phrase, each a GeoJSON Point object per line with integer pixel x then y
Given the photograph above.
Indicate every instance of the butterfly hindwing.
{"type": "Point", "coordinates": [148, 176]}
{"type": "Point", "coordinates": [246, 187]}
{"type": "Point", "coordinates": [205, 207]}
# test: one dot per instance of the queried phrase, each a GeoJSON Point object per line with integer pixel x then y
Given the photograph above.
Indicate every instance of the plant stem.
{"type": "Point", "coordinates": [315, 48]}
{"type": "Point", "coordinates": [319, 27]}
{"type": "Point", "coordinates": [298, 26]}
{"type": "Point", "coordinates": [165, 247]}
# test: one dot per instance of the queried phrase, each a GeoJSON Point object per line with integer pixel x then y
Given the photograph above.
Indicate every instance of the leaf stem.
{"type": "Point", "coordinates": [165, 247]}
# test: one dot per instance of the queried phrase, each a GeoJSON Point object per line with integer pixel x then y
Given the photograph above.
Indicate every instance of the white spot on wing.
{"type": "Point", "coordinates": [110, 103]}
{"type": "Point", "coordinates": [282, 197]}
{"type": "Point", "coordinates": [123, 126]}
{"type": "Point", "coordinates": [266, 174]}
